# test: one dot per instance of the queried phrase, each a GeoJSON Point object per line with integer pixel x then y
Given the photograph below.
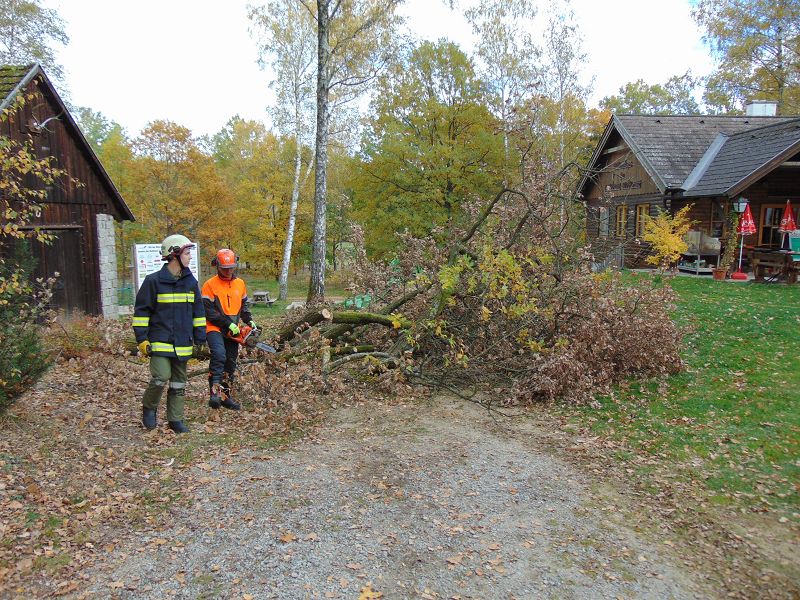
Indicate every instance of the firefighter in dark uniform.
{"type": "Point", "coordinates": [169, 320]}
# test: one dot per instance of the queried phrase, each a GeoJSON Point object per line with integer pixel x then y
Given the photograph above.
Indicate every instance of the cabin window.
{"type": "Point", "coordinates": [717, 219]}
{"type": "Point", "coordinates": [642, 212]}
{"type": "Point", "coordinates": [622, 221]}
{"type": "Point", "coordinates": [771, 215]}
{"type": "Point", "coordinates": [604, 219]}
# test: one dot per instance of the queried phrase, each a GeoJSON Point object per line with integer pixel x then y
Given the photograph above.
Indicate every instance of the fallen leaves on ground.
{"type": "Point", "coordinates": [77, 471]}
{"type": "Point", "coordinates": [721, 540]}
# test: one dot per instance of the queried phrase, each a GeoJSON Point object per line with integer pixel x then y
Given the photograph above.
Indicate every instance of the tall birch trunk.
{"type": "Point", "coordinates": [316, 287]}
{"type": "Point", "coordinates": [283, 280]}
{"type": "Point", "coordinates": [297, 183]}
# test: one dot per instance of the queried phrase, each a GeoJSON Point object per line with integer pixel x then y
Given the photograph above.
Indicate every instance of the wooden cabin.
{"type": "Point", "coordinates": [80, 217]}
{"type": "Point", "coordinates": [644, 163]}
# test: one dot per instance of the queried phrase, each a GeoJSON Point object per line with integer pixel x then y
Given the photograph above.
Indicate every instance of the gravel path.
{"type": "Point", "coordinates": [424, 501]}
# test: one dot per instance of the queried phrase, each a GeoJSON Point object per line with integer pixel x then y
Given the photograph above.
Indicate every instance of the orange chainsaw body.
{"type": "Point", "coordinates": [244, 332]}
{"type": "Point", "coordinates": [248, 337]}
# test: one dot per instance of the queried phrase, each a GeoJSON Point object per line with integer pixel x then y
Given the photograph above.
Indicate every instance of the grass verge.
{"type": "Point", "coordinates": [729, 425]}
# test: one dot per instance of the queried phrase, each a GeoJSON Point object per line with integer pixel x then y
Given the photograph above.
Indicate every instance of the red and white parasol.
{"type": "Point", "coordinates": [747, 226]}
{"type": "Point", "coordinates": [788, 224]}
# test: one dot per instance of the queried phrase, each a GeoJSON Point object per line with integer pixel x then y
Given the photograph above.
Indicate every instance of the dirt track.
{"type": "Point", "coordinates": [418, 501]}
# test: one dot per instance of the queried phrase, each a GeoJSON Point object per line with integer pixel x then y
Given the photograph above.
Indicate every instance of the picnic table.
{"type": "Point", "coordinates": [781, 263]}
{"type": "Point", "coordinates": [263, 297]}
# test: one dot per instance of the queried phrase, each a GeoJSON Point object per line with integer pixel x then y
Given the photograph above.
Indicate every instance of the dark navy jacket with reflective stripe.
{"type": "Point", "coordinates": [169, 312]}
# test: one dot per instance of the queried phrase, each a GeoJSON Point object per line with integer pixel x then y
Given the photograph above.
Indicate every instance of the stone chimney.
{"type": "Point", "coordinates": [761, 108]}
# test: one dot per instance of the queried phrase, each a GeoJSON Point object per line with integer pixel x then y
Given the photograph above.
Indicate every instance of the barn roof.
{"type": "Point", "coordinates": [672, 148]}
{"type": "Point", "coordinates": [15, 78]}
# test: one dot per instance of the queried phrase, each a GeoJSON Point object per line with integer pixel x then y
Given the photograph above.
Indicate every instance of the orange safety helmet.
{"type": "Point", "coordinates": [225, 261]}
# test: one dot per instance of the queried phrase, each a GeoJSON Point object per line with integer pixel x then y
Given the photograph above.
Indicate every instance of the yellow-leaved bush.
{"type": "Point", "coordinates": [666, 235]}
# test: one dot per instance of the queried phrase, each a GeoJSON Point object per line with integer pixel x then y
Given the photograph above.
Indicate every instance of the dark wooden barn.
{"type": "Point", "coordinates": [80, 217]}
{"type": "Point", "coordinates": [644, 163]}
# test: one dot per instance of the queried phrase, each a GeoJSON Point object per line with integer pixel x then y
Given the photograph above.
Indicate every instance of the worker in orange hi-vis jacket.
{"type": "Point", "coordinates": [225, 301]}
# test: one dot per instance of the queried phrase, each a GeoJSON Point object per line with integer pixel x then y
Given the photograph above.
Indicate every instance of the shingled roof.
{"type": "Point", "coordinates": [669, 147]}
{"type": "Point", "coordinates": [733, 162]}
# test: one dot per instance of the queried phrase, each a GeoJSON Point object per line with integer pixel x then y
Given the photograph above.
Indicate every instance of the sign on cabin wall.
{"type": "Point", "coordinates": [147, 259]}
{"type": "Point", "coordinates": [623, 176]}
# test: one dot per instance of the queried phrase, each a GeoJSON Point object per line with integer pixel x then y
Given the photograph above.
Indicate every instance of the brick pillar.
{"type": "Point", "coordinates": [106, 243]}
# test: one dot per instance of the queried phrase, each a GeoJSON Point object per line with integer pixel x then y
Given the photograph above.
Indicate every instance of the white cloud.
{"type": "Point", "coordinates": [639, 39]}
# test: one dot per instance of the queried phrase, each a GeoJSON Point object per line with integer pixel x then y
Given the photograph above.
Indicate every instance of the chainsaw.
{"type": "Point", "coordinates": [248, 337]}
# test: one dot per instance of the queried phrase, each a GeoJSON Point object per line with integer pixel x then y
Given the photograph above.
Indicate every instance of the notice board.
{"type": "Point", "coordinates": [147, 259]}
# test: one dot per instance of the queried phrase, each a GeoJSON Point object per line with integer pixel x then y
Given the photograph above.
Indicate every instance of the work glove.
{"type": "Point", "coordinates": [233, 328]}
{"type": "Point", "coordinates": [144, 348]}
{"type": "Point", "coordinates": [253, 325]}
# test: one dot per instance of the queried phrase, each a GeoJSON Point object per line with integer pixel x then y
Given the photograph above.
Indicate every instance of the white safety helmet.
{"type": "Point", "coordinates": [173, 245]}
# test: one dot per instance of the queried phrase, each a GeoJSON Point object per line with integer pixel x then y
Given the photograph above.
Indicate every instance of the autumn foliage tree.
{"type": "Point", "coordinates": [27, 30]}
{"type": "Point", "coordinates": [757, 45]}
{"type": "Point", "coordinates": [256, 166]}
{"type": "Point", "coordinates": [287, 44]}
{"type": "Point", "coordinates": [675, 97]}
{"type": "Point", "coordinates": [177, 188]}
{"type": "Point", "coordinates": [431, 146]}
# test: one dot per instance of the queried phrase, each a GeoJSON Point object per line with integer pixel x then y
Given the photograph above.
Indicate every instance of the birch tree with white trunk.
{"type": "Point", "coordinates": [507, 57]}
{"type": "Point", "coordinates": [287, 45]}
{"type": "Point", "coordinates": [563, 58]}
{"type": "Point", "coordinates": [354, 39]}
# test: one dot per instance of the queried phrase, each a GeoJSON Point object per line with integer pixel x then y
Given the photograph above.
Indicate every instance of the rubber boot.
{"type": "Point", "coordinates": [178, 427]}
{"type": "Point", "coordinates": [149, 418]}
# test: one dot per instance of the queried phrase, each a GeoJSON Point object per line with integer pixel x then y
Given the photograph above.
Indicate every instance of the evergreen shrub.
{"type": "Point", "coordinates": [23, 312]}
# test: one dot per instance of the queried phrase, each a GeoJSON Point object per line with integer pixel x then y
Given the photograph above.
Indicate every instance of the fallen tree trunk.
{"type": "Point", "coordinates": [338, 331]}
{"type": "Point", "coordinates": [306, 321]}
{"type": "Point", "coordinates": [346, 318]}
{"type": "Point", "coordinates": [352, 349]}
{"type": "Point", "coordinates": [382, 357]}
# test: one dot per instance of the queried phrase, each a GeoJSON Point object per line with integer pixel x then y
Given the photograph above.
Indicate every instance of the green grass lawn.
{"type": "Point", "coordinates": [298, 285]}
{"type": "Point", "coordinates": [730, 423]}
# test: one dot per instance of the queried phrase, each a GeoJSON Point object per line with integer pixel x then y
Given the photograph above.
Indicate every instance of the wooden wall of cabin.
{"type": "Point", "coordinates": [620, 180]}
{"type": "Point", "coordinates": [704, 213]}
{"type": "Point", "coordinates": [622, 176]}
{"type": "Point", "coordinates": [634, 248]}
{"type": "Point", "coordinates": [70, 210]}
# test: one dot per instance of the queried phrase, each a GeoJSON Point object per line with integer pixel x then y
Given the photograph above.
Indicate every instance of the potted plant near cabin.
{"type": "Point", "coordinates": [729, 254]}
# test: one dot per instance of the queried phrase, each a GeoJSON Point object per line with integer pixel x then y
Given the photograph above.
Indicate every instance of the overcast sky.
{"type": "Point", "coordinates": [194, 61]}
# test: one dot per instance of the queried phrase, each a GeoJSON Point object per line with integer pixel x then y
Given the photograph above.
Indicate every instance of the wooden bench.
{"type": "Point", "coordinates": [262, 297]}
